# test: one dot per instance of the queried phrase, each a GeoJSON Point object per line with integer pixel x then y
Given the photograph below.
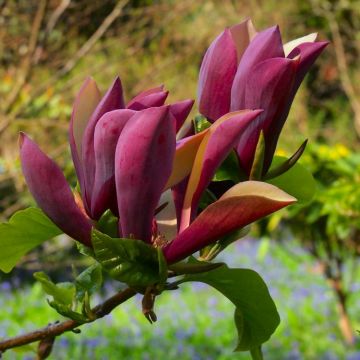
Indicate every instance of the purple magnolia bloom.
{"type": "Point", "coordinates": [136, 161]}
{"type": "Point", "coordinates": [146, 169]}
{"type": "Point", "coordinates": [243, 69]}
{"type": "Point", "coordinates": [95, 127]}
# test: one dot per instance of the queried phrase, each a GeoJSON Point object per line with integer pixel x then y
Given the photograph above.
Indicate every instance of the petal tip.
{"type": "Point", "coordinates": [22, 138]}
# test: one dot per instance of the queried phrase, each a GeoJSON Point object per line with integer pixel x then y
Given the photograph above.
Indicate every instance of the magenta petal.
{"type": "Point", "coordinates": [265, 45]}
{"type": "Point", "coordinates": [178, 192]}
{"type": "Point", "coordinates": [143, 164]}
{"type": "Point", "coordinates": [107, 132]}
{"type": "Point", "coordinates": [268, 87]}
{"type": "Point", "coordinates": [112, 100]}
{"type": "Point", "coordinates": [241, 205]}
{"type": "Point", "coordinates": [145, 93]}
{"type": "Point", "coordinates": [217, 73]}
{"type": "Point", "coordinates": [212, 152]}
{"type": "Point", "coordinates": [181, 110]}
{"type": "Point", "coordinates": [151, 100]}
{"type": "Point", "coordinates": [308, 54]}
{"type": "Point", "coordinates": [52, 193]}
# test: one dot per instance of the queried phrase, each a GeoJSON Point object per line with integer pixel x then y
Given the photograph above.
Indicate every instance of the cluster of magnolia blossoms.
{"type": "Point", "coordinates": [245, 69]}
{"type": "Point", "coordinates": [133, 160]}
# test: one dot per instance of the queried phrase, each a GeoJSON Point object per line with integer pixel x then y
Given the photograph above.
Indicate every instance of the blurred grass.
{"type": "Point", "coordinates": [195, 322]}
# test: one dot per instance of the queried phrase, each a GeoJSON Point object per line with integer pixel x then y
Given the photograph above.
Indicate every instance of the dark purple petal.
{"type": "Point", "coordinates": [181, 110]}
{"type": "Point", "coordinates": [216, 145]}
{"type": "Point", "coordinates": [266, 44]}
{"type": "Point", "coordinates": [178, 192]}
{"type": "Point", "coordinates": [157, 89]}
{"type": "Point", "coordinates": [243, 204]}
{"type": "Point", "coordinates": [217, 73]}
{"type": "Point", "coordinates": [107, 132]}
{"type": "Point", "coordinates": [304, 55]}
{"type": "Point", "coordinates": [151, 100]}
{"type": "Point", "coordinates": [268, 87]}
{"type": "Point", "coordinates": [143, 164]}
{"type": "Point", "coordinates": [51, 191]}
{"type": "Point", "coordinates": [308, 53]}
{"type": "Point", "coordinates": [112, 100]}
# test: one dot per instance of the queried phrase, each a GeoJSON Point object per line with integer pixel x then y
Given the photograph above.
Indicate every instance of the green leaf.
{"type": "Point", "coordinates": [66, 311]}
{"type": "Point", "coordinates": [287, 164]}
{"type": "Point", "coordinates": [258, 163]}
{"type": "Point", "coordinates": [229, 169]}
{"type": "Point", "coordinates": [108, 224]}
{"type": "Point", "coordinates": [201, 123]}
{"type": "Point", "coordinates": [163, 270]}
{"type": "Point", "coordinates": [62, 293]}
{"type": "Point", "coordinates": [182, 268]}
{"type": "Point", "coordinates": [210, 252]}
{"type": "Point", "coordinates": [206, 199]}
{"type": "Point", "coordinates": [25, 230]}
{"type": "Point", "coordinates": [256, 353]}
{"type": "Point", "coordinates": [297, 181]}
{"type": "Point", "coordinates": [256, 316]}
{"type": "Point", "coordinates": [85, 250]}
{"type": "Point", "coordinates": [127, 260]}
{"type": "Point", "coordinates": [89, 281]}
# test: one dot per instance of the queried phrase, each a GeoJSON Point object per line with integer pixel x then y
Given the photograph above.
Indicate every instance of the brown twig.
{"type": "Point", "coordinates": [55, 16]}
{"type": "Point", "coordinates": [87, 46]}
{"type": "Point", "coordinates": [25, 70]}
{"type": "Point", "coordinates": [57, 329]}
{"type": "Point", "coordinates": [5, 121]}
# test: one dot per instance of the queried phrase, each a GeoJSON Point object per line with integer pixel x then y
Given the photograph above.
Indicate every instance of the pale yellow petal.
{"type": "Point", "coordinates": [85, 103]}
{"type": "Point", "coordinates": [291, 45]}
{"type": "Point", "coordinates": [260, 189]}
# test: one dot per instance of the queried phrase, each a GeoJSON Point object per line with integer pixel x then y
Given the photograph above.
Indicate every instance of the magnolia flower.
{"type": "Point", "coordinates": [245, 69]}
{"type": "Point", "coordinates": [138, 151]}
{"type": "Point", "coordinates": [95, 126]}
{"type": "Point", "coordinates": [94, 129]}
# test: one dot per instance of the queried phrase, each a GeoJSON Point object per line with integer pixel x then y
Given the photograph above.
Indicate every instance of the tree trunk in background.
{"type": "Point", "coordinates": [344, 320]}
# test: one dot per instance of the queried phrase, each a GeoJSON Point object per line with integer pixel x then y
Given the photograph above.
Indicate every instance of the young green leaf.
{"type": "Point", "coordinates": [127, 260]}
{"type": "Point", "coordinates": [297, 181]}
{"type": "Point", "coordinates": [229, 169]}
{"type": "Point", "coordinates": [89, 281]}
{"type": "Point", "coordinates": [66, 311]}
{"type": "Point", "coordinates": [25, 230]}
{"type": "Point", "coordinates": [63, 293]}
{"type": "Point", "coordinates": [258, 163]}
{"type": "Point", "coordinates": [85, 250]}
{"type": "Point", "coordinates": [211, 251]}
{"type": "Point", "coordinates": [256, 353]}
{"type": "Point", "coordinates": [108, 224]}
{"type": "Point", "coordinates": [163, 271]}
{"type": "Point", "coordinates": [287, 164]}
{"type": "Point", "coordinates": [201, 123]}
{"type": "Point", "coordinates": [182, 268]}
{"type": "Point", "coordinates": [256, 316]}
